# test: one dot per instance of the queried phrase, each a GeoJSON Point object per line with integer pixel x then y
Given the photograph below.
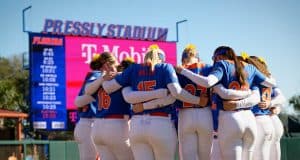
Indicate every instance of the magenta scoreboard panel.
{"type": "Point", "coordinates": [80, 50]}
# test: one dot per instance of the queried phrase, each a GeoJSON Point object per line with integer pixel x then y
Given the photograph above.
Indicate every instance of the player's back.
{"type": "Point", "coordinates": [189, 85]}
{"type": "Point", "coordinates": [229, 78]}
{"type": "Point", "coordinates": [112, 104]}
{"type": "Point", "coordinates": [141, 77]}
{"type": "Point", "coordinates": [105, 104]}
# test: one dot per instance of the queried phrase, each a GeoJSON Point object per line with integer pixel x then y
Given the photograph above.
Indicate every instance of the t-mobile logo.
{"type": "Point", "coordinates": [73, 116]}
{"type": "Point", "coordinates": [88, 51]}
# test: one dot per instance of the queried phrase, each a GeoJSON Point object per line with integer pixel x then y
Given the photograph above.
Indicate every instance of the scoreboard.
{"type": "Point", "coordinates": [58, 65]}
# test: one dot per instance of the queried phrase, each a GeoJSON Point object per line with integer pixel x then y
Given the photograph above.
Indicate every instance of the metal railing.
{"type": "Point", "coordinates": [68, 150]}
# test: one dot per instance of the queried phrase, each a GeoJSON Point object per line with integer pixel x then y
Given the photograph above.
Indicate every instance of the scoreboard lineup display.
{"type": "Point", "coordinates": [58, 65]}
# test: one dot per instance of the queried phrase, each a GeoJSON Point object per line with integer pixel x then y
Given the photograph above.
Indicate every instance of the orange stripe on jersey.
{"type": "Point", "coordinates": [194, 66]}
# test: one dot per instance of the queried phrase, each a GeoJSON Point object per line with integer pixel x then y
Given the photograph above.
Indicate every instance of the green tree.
{"type": "Point", "coordinates": [295, 101]}
{"type": "Point", "coordinates": [14, 84]}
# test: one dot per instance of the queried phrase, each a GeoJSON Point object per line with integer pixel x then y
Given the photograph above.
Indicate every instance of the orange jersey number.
{"type": "Point", "coordinates": [192, 89]}
{"type": "Point", "coordinates": [146, 85]}
{"type": "Point", "coordinates": [236, 85]}
{"type": "Point", "coordinates": [103, 99]}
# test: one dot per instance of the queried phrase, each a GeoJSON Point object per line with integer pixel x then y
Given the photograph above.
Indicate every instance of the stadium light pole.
{"type": "Point", "coordinates": [23, 16]}
{"type": "Point", "coordinates": [26, 64]}
{"type": "Point", "coordinates": [177, 24]}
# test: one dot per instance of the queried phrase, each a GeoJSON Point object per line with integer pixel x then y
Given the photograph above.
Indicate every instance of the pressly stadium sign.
{"type": "Point", "coordinates": [95, 29]}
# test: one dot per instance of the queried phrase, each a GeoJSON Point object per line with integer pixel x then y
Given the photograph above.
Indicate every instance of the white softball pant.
{"type": "Point", "coordinates": [264, 136]}
{"type": "Point", "coordinates": [110, 137]}
{"type": "Point", "coordinates": [237, 134]}
{"type": "Point", "coordinates": [82, 134]}
{"type": "Point", "coordinates": [275, 153]}
{"type": "Point", "coordinates": [195, 133]}
{"type": "Point", "coordinates": [152, 137]}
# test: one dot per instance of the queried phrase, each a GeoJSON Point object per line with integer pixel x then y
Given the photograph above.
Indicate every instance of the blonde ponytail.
{"type": "Point", "coordinates": [152, 55]}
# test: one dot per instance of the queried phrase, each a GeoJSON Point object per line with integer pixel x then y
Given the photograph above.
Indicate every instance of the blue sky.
{"type": "Point", "coordinates": [268, 28]}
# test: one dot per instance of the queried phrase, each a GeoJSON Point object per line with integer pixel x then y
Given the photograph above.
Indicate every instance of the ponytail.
{"type": "Point", "coordinates": [96, 63]}
{"type": "Point", "coordinates": [152, 57]}
{"type": "Point", "coordinates": [229, 54]}
{"type": "Point", "coordinates": [260, 64]}
{"type": "Point", "coordinates": [240, 72]}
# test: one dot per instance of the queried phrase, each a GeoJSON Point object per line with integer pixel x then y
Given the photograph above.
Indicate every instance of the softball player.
{"type": "Point", "coordinates": [249, 99]}
{"type": "Point", "coordinates": [261, 112]}
{"type": "Point", "coordinates": [274, 100]}
{"type": "Point", "coordinates": [197, 134]}
{"type": "Point", "coordinates": [152, 133]}
{"type": "Point", "coordinates": [86, 112]}
{"type": "Point", "coordinates": [237, 105]}
{"type": "Point", "coordinates": [110, 129]}
{"type": "Point", "coordinates": [234, 133]}
{"type": "Point", "coordinates": [194, 121]}
{"type": "Point", "coordinates": [277, 102]}
{"type": "Point", "coordinates": [265, 123]}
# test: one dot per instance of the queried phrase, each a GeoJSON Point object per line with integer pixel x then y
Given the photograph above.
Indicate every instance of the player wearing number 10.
{"type": "Point", "coordinates": [235, 135]}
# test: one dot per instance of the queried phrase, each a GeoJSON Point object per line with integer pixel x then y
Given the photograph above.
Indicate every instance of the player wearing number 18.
{"type": "Point", "coordinates": [110, 129]}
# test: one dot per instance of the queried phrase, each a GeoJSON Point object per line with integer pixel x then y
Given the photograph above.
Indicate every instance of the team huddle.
{"type": "Point", "coordinates": [144, 111]}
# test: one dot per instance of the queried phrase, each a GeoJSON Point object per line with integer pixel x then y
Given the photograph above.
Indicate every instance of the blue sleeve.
{"type": "Point", "coordinates": [170, 74]}
{"type": "Point", "coordinates": [218, 70]}
{"type": "Point", "coordinates": [124, 79]}
{"type": "Point", "coordinates": [81, 90]}
{"type": "Point", "coordinates": [88, 75]}
{"type": "Point", "coordinates": [92, 77]}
